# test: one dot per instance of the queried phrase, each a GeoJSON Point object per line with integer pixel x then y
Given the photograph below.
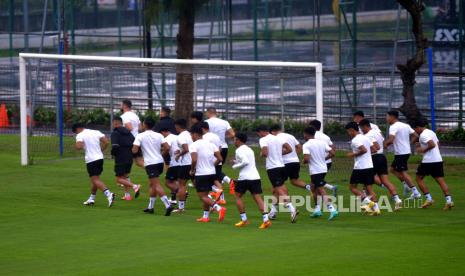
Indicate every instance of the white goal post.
{"type": "Point", "coordinates": [23, 57]}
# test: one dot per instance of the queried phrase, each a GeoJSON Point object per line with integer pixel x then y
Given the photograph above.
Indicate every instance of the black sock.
{"type": "Point", "coordinates": [173, 195]}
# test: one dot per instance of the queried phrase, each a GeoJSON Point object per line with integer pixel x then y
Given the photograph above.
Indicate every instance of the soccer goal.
{"type": "Point", "coordinates": [57, 90]}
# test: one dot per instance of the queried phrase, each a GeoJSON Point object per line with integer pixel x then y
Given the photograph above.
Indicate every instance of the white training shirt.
{"type": "Point", "coordinates": [245, 161]}
{"type": "Point", "coordinates": [150, 143]}
{"type": "Point", "coordinates": [183, 139]}
{"type": "Point", "coordinates": [205, 157]}
{"type": "Point", "coordinates": [212, 138]}
{"type": "Point", "coordinates": [319, 135]}
{"type": "Point", "coordinates": [402, 132]}
{"type": "Point", "coordinates": [376, 136]}
{"type": "Point", "coordinates": [219, 127]}
{"type": "Point", "coordinates": [131, 117]}
{"type": "Point", "coordinates": [433, 155]}
{"type": "Point", "coordinates": [318, 150]}
{"type": "Point", "coordinates": [275, 151]}
{"type": "Point", "coordinates": [172, 141]}
{"type": "Point", "coordinates": [363, 161]}
{"type": "Point", "coordinates": [292, 141]}
{"type": "Point", "coordinates": [91, 139]}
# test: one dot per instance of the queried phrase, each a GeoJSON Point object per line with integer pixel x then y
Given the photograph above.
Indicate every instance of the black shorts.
{"type": "Point", "coordinates": [329, 165]}
{"type": "Point", "coordinates": [365, 177]}
{"type": "Point", "coordinates": [254, 186]}
{"type": "Point", "coordinates": [204, 183]}
{"type": "Point", "coordinates": [380, 165]}
{"type": "Point", "coordinates": [224, 154]}
{"type": "Point", "coordinates": [154, 170]}
{"type": "Point", "coordinates": [172, 173]}
{"type": "Point", "coordinates": [318, 179]}
{"type": "Point", "coordinates": [292, 170]}
{"type": "Point", "coordinates": [435, 169]}
{"type": "Point", "coordinates": [277, 176]}
{"type": "Point", "coordinates": [123, 169]}
{"type": "Point", "coordinates": [95, 168]}
{"type": "Point", "coordinates": [400, 162]}
{"type": "Point", "coordinates": [219, 172]}
{"type": "Point", "coordinates": [184, 172]}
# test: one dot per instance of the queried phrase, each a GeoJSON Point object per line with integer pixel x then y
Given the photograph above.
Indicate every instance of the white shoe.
{"type": "Point", "coordinates": [89, 202]}
{"type": "Point", "coordinates": [111, 199]}
{"type": "Point", "coordinates": [414, 196]}
{"type": "Point", "coordinates": [398, 205]}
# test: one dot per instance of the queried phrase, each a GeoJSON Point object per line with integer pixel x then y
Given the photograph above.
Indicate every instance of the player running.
{"type": "Point", "coordinates": [205, 156]}
{"type": "Point", "coordinates": [363, 172]}
{"type": "Point", "coordinates": [150, 143]}
{"type": "Point", "coordinates": [316, 152]}
{"type": "Point", "coordinates": [196, 117]}
{"type": "Point", "coordinates": [169, 149]}
{"type": "Point", "coordinates": [400, 136]}
{"type": "Point", "coordinates": [132, 122]}
{"type": "Point", "coordinates": [273, 149]}
{"type": "Point", "coordinates": [93, 142]}
{"type": "Point", "coordinates": [248, 180]}
{"type": "Point", "coordinates": [379, 160]}
{"type": "Point", "coordinates": [121, 150]}
{"type": "Point", "coordinates": [358, 116]}
{"type": "Point", "coordinates": [183, 158]}
{"type": "Point", "coordinates": [432, 164]}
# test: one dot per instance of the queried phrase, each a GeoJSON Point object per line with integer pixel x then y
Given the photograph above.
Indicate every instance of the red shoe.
{"type": "Point", "coordinates": [221, 202]}
{"type": "Point", "coordinates": [202, 219]}
{"type": "Point", "coordinates": [232, 187]}
{"type": "Point", "coordinates": [221, 214]}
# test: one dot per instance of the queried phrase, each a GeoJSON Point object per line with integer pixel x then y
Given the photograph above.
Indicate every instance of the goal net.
{"type": "Point", "coordinates": [58, 90]}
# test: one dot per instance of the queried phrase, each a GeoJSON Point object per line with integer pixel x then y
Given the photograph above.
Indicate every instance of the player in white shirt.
{"type": "Point", "coordinates": [205, 156]}
{"type": "Point", "coordinates": [150, 142]}
{"type": "Point", "coordinates": [132, 122]}
{"type": "Point", "coordinates": [319, 135]}
{"type": "Point", "coordinates": [400, 136]}
{"type": "Point", "coordinates": [183, 158]}
{"type": "Point", "coordinates": [273, 149]}
{"type": "Point", "coordinates": [316, 152]}
{"type": "Point", "coordinates": [93, 142]}
{"type": "Point", "coordinates": [217, 189]}
{"type": "Point", "coordinates": [248, 180]}
{"type": "Point", "coordinates": [169, 149]}
{"type": "Point", "coordinates": [363, 172]}
{"type": "Point", "coordinates": [359, 116]}
{"type": "Point", "coordinates": [432, 164]}
{"type": "Point", "coordinates": [379, 160]}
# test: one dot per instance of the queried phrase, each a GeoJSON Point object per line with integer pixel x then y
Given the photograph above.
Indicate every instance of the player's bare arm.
{"type": "Point", "coordinates": [194, 162]}
{"type": "Point", "coordinates": [286, 148]}
{"type": "Point", "coordinates": [230, 133]}
{"type": "Point", "coordinates": [184, 150]}
{"type": "Point", "coordinates": [104, 142]}
{"type": "Point", "coordinates": [331, 154]}
{"type": "Point", "coordinates": [129, 126]}
{"type": "Point", "coordinates": [375, 147]}
{"type": "Point", "coordinates": [135, 149]}
{"type": "Point", "coordinates": [264, 152]}
{"type": "Point", "coordinates": [218, 157]}
{"type": "Point", "coordinates": [306, 159]}
{"type": "Point", "coordinates": [389, 141]}
{"type": "Point", "coordinates": [298, 148]}
{"type": "Point", "coordinates": [361, 150]}
{"type": "Point", "coordinates": [79, 145]}
{"type": "Point", "coordinates": [431, 145]}
{"type": "Point", "coordinates": [165, 148]}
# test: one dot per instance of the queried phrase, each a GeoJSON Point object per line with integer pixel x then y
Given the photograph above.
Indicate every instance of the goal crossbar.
{"type": "Point", "coordinates": [23, 84]}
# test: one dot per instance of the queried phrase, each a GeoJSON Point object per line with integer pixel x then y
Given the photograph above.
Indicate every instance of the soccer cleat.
{"type": "Point", "coordinates": [149, 210]}
{"type": "Point", "coordinates": [414, 196]}
{"type": "Point", "coordinates": [89, 202]}
{"type": "Point", "coordinates": [272, 215]}
{"type": "Point", "coordinates": [178, 210]}
{"type": "Point", "coordinates": [368, 208]}
{"type": "Point", "coordinates": [221, 202]}
{"type": "Point", "coordinates": [173, 202]}
{"type": "Point", "coordinates": [333, 214]}
{"type": "Point", "coordinates": [136, 190]}
{"type": "Point", "coordinates": [216, 195]}
{"type": "Point", "coordinates": [242, 223]}
{"type": "Point", "coordinates": [111, 199]}
{"type": "Point", "coordinates": [202, 219]}
{"type": "Point", "coordinates": [169, 210]}
{"type": "Point", "coordinates": [335, 191]}
{"type": "Point", "coordinates": [398, 206]}
{"type": "Point", "coordinates": [427, 204]}
{"type": "Point", "coordinates": [232, 187]}
{"type": "Point", "coordinates": [448, 206]}
{"type": "Point", "coordinates": [316, 214]}
{"type": "Point", "coordinates": [375, 213]}
{"type": "Point", "coordinates": [265, 224]}
{"type": "Point", "coordinates": [221, 214]}
{"type": "Point", "coordinates": [294, 216]}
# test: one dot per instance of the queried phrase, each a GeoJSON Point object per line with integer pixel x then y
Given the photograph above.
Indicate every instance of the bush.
{"type": "Point", "coordinates": [44, 115]}
{"type": "Point", "coordinates": [457, 135]}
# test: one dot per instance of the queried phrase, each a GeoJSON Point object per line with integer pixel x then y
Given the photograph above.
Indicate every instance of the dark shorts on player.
{"type": "Point", "coordinates": [292, 170]}
{"type": "Point", "coordinates": [122, 169]}
{"type": "Point", "coordinates": [364, 176]}
{"type": "Point", "coordinates": [254, 186]}
{"type": "Point", "coordinates": [172, 173]}
{"type": "Point", "coordinates": [318, 179]}
{"type": "Point", "coordinates": [329, 165]}
{"type": "Point", "coordinates": [224, 154]}
{"type": "Point", "coordinates": [219, 172]}
{"type": "Point", "coordinates": [204, 183]}
{"type": "Point", "coordinates": [380, 164]}
{"type": "Point", "coordinates": [400, 162]}
{"type": "Point", "coordinates": [435, 169]}
{"type": "Point", "coordinates": [277, 176]}
{"type": "Point", "coordinates": [154, 170]}
{"type": "Point", "coordinates": [184, 172]}
{"type": "Point", "coordinates": [95, 168]}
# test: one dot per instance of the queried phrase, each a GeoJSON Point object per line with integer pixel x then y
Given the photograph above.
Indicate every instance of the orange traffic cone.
{"type": "Point", "coordinates": [3, 117]}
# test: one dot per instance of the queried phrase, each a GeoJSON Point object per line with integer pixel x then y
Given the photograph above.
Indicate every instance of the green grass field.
{"type": "Point", "coordinates": [45, 230]}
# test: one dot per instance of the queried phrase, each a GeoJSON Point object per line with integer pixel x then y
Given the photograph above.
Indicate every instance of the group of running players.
{"type": "Point", "coordinates": [198, 154]}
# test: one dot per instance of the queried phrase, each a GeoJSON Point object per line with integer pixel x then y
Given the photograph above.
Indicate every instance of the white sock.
{"type": "Point", "coordinates": [151, 202]}
{"type": "Point", "coordinates": [290, 207]}
{"type": "Point", "coordinates": [226, 179]}
{"type": "Point", "coordinates": [308, 187]}
{"type": "Point", "coordinates": [243, 217]}
{"type": "Point", "coordinates": [181, 204]}
{"type": "Point", "coordinates": [127, 194]}
{"type": "Point", "coordinates": [448, 199]}
{"type": "Point", "coordinates": [415, 191]}
{"type": "Point", "coordinates": [375, 207]}
{"type": "Point", "coordinates": [274, 208]}
{"type": "Point", "coordinates": [165, 201]}
{"type": "Point", "coordinates": [92, 197]}
{"type": "Point", "coordinates": [206, 214]}
{"type": "Point", "coordinates": [215, 189]}
{"type": "Point", "coordinates": [222, 196]}
{"type": "Point", "coordinates": [396, 198]}
{"type": "Point", "coordinates": [217, 207]}
{"type": "Point", "coordinates": [405, 185]}
{"type": "Point", "coordinates": [429, 197]}
{"type": "Point", "coordinates": [331, 207]}
{"type": "Point", "coordinates": [329, 186]}
{"type": "Point", "coordinates": [265, 217]}
{"type": "Point", "coordinates": [107, 193]}
{"type": "Point", "coordinates": [366, 200]}
{"type": "Point", "coordinates": [317, 208]}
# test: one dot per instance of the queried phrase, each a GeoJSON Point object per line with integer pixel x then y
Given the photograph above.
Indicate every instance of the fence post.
{"type": "Point", "coordinates": [111, 97]}
{"type": "Point", "coordinates": [23, 109]}
{"type": "Point", "coordinates": [461, 15]}
{"type": "Point", "coordinates": [194, 88]}
{"type": "Point", "coordinates": [374, 100]}
{"type": "Point", "coordinates": [431, 89]}
{"type": "Point", "coordinates": [281, 95]}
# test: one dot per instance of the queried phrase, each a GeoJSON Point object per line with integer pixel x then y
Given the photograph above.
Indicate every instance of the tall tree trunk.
{"type": "Point", "coordinates": [408, 71]}
{"type": "Point", "coordinates": [185, 50]}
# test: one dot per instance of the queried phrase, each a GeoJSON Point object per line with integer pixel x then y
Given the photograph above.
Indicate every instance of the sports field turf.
{"type": "Point", "coordinates": [45, 230]}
